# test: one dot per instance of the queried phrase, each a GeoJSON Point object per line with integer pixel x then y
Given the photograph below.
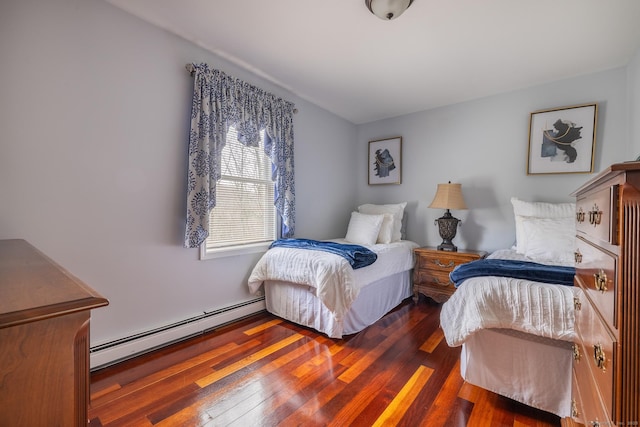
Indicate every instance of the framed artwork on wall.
{"type": "Point", "coordinates": [562, 140]}
{"type": "Point", "coordinates": [385, 161]}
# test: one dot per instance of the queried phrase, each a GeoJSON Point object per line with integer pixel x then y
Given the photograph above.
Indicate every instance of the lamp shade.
{"type": "Point", "coordinates": [448, 196]}
{"type": "Point", "coordinates": [388, 9]}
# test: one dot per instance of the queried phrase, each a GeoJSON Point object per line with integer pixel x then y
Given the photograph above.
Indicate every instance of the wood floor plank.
{"type": "Point", "coordinates": [261, 328]}
{"type": "Point", "coordinates": [433, 341]}
{"type": "Point", "coordinates": [264, 371]}
{"type": "Point", "coordinates": [126, 390]}
{"type": "Point", "coordinates": [440, 408]}
{"type": "Point", "coordinates": [398, 406]}
{"type": "Point", "coordinates": [252, 358]}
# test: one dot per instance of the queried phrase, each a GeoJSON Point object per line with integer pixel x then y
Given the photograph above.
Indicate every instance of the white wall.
{"type": "Point", "coordinates": [633, 83]}
{"type": "Point", "coordinates": [94, 115]}
{"type": "Point", "coordinates": [483, 144]}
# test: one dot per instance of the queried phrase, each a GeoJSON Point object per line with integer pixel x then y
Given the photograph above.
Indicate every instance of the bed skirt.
{"type": "Point", "coordinates": [532, 370]}
{"type": "Point", "coordinates": [297, 303]}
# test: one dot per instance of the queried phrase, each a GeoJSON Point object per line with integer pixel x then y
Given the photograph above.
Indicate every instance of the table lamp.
{"type": "Point", "coordinates": [448, 196]}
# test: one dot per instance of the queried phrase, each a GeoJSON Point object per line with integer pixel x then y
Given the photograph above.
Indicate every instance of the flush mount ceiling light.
{"type": "Point", "coordinates": [388, 9]}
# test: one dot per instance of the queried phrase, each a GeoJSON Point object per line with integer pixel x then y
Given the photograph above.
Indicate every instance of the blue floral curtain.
{"type": "Point", "coordinates": [219, 102]}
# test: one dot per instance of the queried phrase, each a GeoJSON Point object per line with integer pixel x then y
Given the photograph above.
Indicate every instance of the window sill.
{"type": "Point", "coordinates": [233, 250]}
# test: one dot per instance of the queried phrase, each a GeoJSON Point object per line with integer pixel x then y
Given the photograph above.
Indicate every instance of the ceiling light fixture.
{"type": "Point", "coordinates": [388, 9]}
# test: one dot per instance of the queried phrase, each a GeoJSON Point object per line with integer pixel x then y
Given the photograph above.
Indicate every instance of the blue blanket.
{"type": "Point", "coordinates": [558, 275]}
{"type": "Point", "coordinates": [358, 256]}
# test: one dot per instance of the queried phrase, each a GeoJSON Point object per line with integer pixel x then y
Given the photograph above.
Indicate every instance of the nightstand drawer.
{"type": "Point", "coordinates": [431, 272]}
{"type": "Point", "coordinates": [435, 277]}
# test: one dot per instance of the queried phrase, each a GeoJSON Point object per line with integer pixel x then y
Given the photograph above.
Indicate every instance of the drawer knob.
{"type": "Point", "coordinates": [595, 423]}
{"type": "Point", "coordinates": [574, 409]}
{"type": "Point", "coordinates": [595, 216]}
{"type": "Point", "coordinates": [577, 305]}
{"type": "Point", "coordinates": [580, 215]}
{"type": "Point", "coordinates": [577, 256]}
{"type": "Point", "coordinates": [599, 357]}
{"type": "Point", "coordinates": [600, 281]}
{"type": "Point", "coordinates": [440, 264]}
{"type": "Point", "coordinates": [576, 352]}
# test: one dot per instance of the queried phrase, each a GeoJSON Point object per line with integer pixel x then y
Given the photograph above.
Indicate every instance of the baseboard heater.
{"type": "Point", "coordinates": [112, 352]}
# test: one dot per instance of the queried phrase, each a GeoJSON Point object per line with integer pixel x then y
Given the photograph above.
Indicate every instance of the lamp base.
{"type": "Point", "coordinates": [447, 226]}
{"type": "Point", "coordinates": [449, 247]}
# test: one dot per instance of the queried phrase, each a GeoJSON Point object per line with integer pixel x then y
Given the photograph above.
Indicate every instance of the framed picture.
{"type": "Point", "coordinates": [562, 140]}
{"type": "Point", "coordinates": [385, 161]}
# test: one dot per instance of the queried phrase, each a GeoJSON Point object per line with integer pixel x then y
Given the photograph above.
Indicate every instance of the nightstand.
{"type": "Point", "coordinates": [431, 272]}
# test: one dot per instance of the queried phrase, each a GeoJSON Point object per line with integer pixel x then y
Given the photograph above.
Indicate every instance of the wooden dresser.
{"type": "Point", "coordinates": [606, 368]}
{"type": "Point", "coordinates": [44, 340]}
{"type": "Point", "coordinates": [431, 273]}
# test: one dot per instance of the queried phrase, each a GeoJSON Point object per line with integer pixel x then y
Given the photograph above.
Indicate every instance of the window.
{"type": "Point", "coordinates": [244, 219]}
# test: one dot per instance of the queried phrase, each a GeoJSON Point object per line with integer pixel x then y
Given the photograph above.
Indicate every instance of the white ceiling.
{"type": "Point", "coordinates": [336, 54]}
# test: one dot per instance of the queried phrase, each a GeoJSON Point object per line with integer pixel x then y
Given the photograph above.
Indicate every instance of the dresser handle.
{"type": "Point", "coordinates": [577, 305]}
{"type": "Point", "coordinates": [439, 264]}
{"type": "Point", "coordinates": [576, 352]}
{"type": "Point", "coordinates": [574, 409]}
{"type": "Point", "coordinates": [595, 216]}
{"type": "Point", "coordinates": [577, 256]}
{"type": "Point", "coordinates": [595, 423]}
{"type": "Point", "coordinates": [580, 215]}
{"type": "Point", "coordinates": [600, 281]}
{"type": "Point", "coordinates": [435, 279]}
{"type": "Point", "coordinates": [599, 357]}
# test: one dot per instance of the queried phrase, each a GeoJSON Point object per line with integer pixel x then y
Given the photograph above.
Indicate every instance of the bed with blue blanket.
{"type": "Point", "coordinates": [335, 287]}
{"type": "Point", "coordinates": [513, 317]}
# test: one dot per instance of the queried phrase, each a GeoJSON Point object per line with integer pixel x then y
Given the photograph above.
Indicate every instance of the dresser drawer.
{"type": "Point", "coordinates": [577, 406]}
{"type": "Point", "coordinates": [595, 352]}
{"type": "Point", "coordinates": [594, 215]}
{"type": "Point", "coordinates": [587, 403]}
{"type": "Point", "coordinates": [596, 271]}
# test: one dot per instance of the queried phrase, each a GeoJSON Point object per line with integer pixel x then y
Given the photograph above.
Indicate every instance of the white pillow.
{"type": "Point", "coordinates": [397, 210]}
{"type": "Point", "coordinates": [386, 229]}
{"type": "Point", "coordinates": [523, 209]}
{"type": "Point", "coordinates": [549, 239]}
{"type": "Point", "coordinates": [363, 229]}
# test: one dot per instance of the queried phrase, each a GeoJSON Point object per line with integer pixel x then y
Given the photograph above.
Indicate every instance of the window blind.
{"type": "Point", "coordinates": [244, 212]}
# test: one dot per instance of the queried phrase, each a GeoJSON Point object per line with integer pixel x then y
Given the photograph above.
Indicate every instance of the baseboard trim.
{"type": "Point", "coordinates": [112, 352]}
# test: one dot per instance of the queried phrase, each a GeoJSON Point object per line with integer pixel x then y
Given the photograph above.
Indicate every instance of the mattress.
{"type": "Point", "coordinates": [504, 302]}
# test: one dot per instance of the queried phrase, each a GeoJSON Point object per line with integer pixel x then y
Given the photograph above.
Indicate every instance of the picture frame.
{"type": "Point", "coordinates": [385, 161]}
{"type": "Point", "coordinates": [562, 140]}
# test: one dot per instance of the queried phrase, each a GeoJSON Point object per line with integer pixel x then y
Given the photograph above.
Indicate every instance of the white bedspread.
{"type": "Point", "coordinates": [336, 283]}
{"type": "Point", "coordinates": [500, 302]}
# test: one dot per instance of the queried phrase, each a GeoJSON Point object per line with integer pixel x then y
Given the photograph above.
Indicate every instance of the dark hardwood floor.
{"type": "Point", "coordinates": [264, 371]}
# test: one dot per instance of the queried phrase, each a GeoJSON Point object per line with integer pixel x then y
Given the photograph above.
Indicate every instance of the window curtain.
{"type": "Point", "coordinates": [219, 102]}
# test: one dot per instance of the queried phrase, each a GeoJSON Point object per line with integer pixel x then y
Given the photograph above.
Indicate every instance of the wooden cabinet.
{"type": "Point", "coordinates": [606, 386]}
{"type": "Point", "coordinates": [44, 340]}
{"type": "Point", "coordinates": [431, 272]}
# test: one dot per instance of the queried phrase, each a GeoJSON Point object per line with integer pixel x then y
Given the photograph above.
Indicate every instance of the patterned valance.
{"type": "Point", "coordinates": [219, 102]}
